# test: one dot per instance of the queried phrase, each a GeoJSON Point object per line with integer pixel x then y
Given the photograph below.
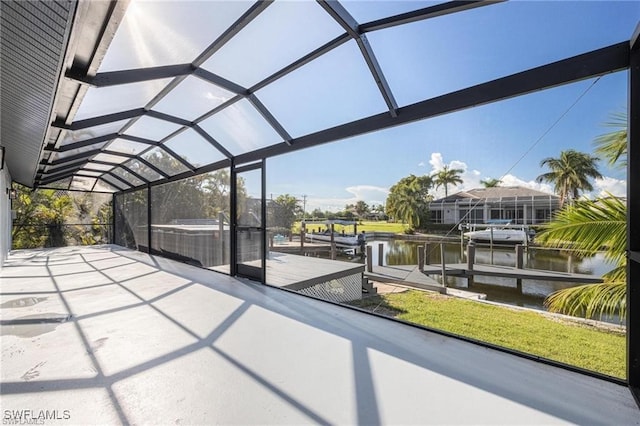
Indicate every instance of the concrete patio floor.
{"type": "Point", "coordinates": [155, 341]}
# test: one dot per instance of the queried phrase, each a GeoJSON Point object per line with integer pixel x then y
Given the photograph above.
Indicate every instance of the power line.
{"type": "Point", "coordinates": [555, 123]}
{"type": "Point", "coordinates": [533, 145]}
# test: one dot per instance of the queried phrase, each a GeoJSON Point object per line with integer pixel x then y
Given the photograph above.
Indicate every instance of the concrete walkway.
{"type": "Point", "coordinates": [154, 341]}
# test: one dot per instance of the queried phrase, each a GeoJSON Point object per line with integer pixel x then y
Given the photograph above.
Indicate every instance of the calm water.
{"type": "Point", "coordinates": [399, 252]}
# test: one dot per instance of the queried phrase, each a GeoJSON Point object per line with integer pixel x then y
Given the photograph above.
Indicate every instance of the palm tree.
{"type": "Point", "coordinates": [570, 173]}
{"type": "Point", "coordinates": [408, 199]}
{"type": "Point", "coordinates": [613, 145]}
{"type": "Point", "coordinates": [587, 227]}
{"type": "Point", "coordinates": [407, 209]}
{"type": "Point", "coordinates": [490, 182]}
{"type": "Point", "coordinates": [446, 177]}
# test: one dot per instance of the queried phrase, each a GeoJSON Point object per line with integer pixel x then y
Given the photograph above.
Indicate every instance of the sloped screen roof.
{"type": "Point", "coordinates": [187, 87]}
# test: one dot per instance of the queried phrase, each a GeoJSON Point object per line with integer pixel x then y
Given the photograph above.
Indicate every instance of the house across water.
{"type": "Point", "coordinates": [515, 203]}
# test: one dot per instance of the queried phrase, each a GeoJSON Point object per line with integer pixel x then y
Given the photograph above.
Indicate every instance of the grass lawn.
{"type": "Point", "coordinates": [567, 342]}
{"type": "Point", "coordinates": [368, 226]}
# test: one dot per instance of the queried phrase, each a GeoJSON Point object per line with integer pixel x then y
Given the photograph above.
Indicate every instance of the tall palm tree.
{"type": "Point", "coordinates": [446, 177]}
{"type": "Point", "coordinates": [589, 226]}
{"type": "Point", "coordinates": [570, 173]}
{"type": "Point", "coordinates": [490, 182]}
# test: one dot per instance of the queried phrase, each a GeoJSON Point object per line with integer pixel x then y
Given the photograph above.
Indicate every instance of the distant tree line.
{"type": "Point", "coordinates": [56, 218]}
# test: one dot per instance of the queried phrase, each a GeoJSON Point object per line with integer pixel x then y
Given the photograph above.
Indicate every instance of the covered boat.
{"type": "Point", "coordinates": [323, 233]}
{"type": "Point", "coordinates": [497, 231]}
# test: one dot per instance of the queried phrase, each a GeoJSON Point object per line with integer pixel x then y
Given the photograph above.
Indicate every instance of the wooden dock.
{"type": "Point", "coordinates": [295, 272]}
{"type": "Point", "coordinates": [298, 272]}
{"type": "Point", "coordinates": [294, 247]}
{"type": "Point", "coordinates": [462, 270]}
{"type": "Point", "coordinates": [408, 275]}
{"type": "Point", "coordinates": [411, 277]}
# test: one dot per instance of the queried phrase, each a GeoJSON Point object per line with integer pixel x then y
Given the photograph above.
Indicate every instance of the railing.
{"type": "Point", "coordinates": [60, 235]}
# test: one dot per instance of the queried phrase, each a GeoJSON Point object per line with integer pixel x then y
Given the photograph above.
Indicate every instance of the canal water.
{"type": "Point", "coordinates": [503, 290]}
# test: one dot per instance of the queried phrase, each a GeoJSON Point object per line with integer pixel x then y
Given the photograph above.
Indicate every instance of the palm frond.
{"type": "Point", "coordinates": [613, 145]}
{"type": "Point", "coordinates": [617, 274]}
{"type": "Point", "coordinates": [590, 301]}
{"type": "Point", "coordinates": [588, 227]}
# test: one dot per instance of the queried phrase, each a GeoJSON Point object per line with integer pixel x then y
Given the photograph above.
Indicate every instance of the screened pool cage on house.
{"type": "Point", "coordinates": [175, 108]}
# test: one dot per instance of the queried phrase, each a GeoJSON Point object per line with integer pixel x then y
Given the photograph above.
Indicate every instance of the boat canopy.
{"type": "Point", "coordinates": [331, 222]}
{"type": "Point", "coordinates": [498, 222]}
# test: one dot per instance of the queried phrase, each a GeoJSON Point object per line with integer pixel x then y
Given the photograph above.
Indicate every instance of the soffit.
{"type": "Point", "coordinates": [32, 45]}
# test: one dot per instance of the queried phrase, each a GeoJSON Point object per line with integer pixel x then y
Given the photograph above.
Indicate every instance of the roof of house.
{"type": "Point", "coordinates": [495, 192]}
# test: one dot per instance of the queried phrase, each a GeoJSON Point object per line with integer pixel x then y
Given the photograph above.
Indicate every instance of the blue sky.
{"type": "Point", "coordinates": [420, 60]}
{"type": "Point", "coordinates": [487, 141]}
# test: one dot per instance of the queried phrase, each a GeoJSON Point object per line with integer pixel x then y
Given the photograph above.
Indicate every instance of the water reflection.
{"type": "Point", "coordinates": [504, 290]}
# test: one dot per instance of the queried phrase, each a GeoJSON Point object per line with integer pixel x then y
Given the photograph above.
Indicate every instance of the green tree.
{"type": "Point", "coordinates": [570, 173]}
{"type": "Point", "coordinates": [379, 211]}
{"type": "Point", "coordinates": [217, 188]}
{"type": "Point", "coordinates": [612, 146]}
{"type": "Point", "coordinates": [589, 226]}
{"type": "Point", "coordinates": [408, 200]}
{"type": "Point", "coordinates": [362, 208]}
{"type": "Point", "coordinates": [490, 182]}
{"type": "Point", "coordinates": [40, 218]}
{"type": "Point", "coordinates": [204, 196]}
{"type": "Point", "coordinates": [446, 177]}
{"type": "Point", "coordinates": [92, 217]}
{"type": "Point", "coordinates": [318, 214]}
{"type": "Point", "coordinates": [283, 212]}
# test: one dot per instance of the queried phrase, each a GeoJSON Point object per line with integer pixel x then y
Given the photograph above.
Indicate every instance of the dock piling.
{"type": "Point", "coordinates": [369, 260]}
{"type": "Point", "coordinates": [427, 250]}
{"type": "Point", "coordinates": [420, 250]}
{"type": "Point", "coordinates": [519, 256]}
{"type": "Point", "coordinates": [444, 265]}
{"type": "Point", "coordinates": [380, 253]}
{"type": "Point", "coordinates": [471, 258]}
{"type": "Point", "coordinates": [333, 244]}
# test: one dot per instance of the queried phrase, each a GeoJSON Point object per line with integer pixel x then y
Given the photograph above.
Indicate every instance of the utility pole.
{"type": "Point", "coordinates": [304, 206]}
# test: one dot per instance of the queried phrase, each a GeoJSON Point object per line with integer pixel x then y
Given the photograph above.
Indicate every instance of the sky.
{"type": "Point", "coordinates": [421, 60]}
{"type": "Point", "coordinates": [505, 140]}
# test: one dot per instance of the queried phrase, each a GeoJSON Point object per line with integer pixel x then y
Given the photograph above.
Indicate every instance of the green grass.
{"type": "Point", "coordinates": [368, 226]}
{"type": "Point", "coordinates": [568, 342]}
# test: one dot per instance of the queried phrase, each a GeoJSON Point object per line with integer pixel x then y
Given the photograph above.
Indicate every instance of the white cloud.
{"type": "Point", "coordinates": [421, 164]}
{"type": "Point", "coordinates": [613, 186]}
{"type": "Point", "coordinates": [436, 161]}
{"type": "Point", "coordinates": [368, 193]}
{"type": "Point", "coordinates": [511, 180]}
{"type": "Point", "coordinates": [471, 178]}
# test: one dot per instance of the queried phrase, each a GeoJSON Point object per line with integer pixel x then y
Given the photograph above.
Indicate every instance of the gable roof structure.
{"type": "Point", "coordinates": [144, 93]}
{"type": "Point", "coordinates": [496, 193]}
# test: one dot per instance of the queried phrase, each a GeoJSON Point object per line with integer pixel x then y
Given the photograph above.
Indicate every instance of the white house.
{"type": "Point", "coordinates": [520, 205]}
